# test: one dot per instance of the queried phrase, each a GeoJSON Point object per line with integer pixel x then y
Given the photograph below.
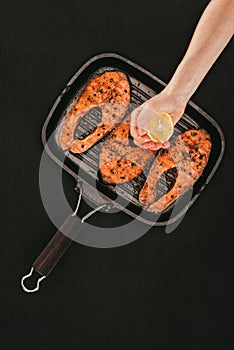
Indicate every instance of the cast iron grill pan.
{"type": "Point", "coordinates": [143, 86]}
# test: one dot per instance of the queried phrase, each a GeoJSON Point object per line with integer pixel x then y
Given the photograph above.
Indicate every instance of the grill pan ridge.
{"type": "Point", "coordinates": [144, 85]}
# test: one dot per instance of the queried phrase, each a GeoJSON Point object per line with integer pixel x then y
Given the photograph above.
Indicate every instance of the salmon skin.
{"type": "Point", "coordinates": [119, 161]}
{"type": "Point", "coordinates": [189, 155]}
{"type": "Point", "coordinates": [111, 91]}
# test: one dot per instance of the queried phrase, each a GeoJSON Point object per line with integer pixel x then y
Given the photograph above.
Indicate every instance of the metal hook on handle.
{"type": "Point", "coordinates": [38, 282]}
{"type": "Point", "coordinates": [78, 186]}
{"type": "Point", "coordinates": [92, 212]}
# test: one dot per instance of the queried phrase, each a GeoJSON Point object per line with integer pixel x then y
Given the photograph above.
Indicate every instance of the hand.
{"type": "Point", "coordinates": [163, 102]}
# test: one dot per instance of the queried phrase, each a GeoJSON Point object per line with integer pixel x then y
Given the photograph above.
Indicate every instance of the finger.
{"type": "Point", "coordinates": [155, 146]}
{"type": "Point", "coordinates": [134, 116]}
{"type": "Point", "coordinates": [142, 123]}
{"type": "Point", "coordinates": [143, 120]}
{"type": "Point", "coordinates": [143, 139]}
{"type": "Point", "coordinates": [166, 144]}
{"type": "Point", "coordinates": [149, 145]}
{"type": "Point", "coordinates": [141, 131]}
{"type": "Point", "coordinates": [136, 122]}
{"type": "Point", "coordinates": [146, 138]}
{"type": "Point", "coordinates": [134, 131]}
{"type": "Point", "coordinates": [137, 143]}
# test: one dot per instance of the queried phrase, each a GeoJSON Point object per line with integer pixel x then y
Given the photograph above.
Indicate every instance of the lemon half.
{"type": "Point", "coordinates": [160, 127]}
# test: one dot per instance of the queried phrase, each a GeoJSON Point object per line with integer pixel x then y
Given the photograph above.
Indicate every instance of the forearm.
{"type": "Point", "coordinates": [213, 32]}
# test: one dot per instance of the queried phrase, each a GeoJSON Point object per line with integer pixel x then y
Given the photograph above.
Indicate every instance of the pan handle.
{"type": "Point", "coordinates": [57, 246]}
{"type": "Point", "coordinates": [54, 250]}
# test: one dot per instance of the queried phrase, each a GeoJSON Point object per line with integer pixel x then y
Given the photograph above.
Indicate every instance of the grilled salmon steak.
{"type": "Point", "coordinates": [111, 91]}
{"type": "Point", "coordinates": [189, 155]}
{"type": "Point", "coordinates": [119, 161]}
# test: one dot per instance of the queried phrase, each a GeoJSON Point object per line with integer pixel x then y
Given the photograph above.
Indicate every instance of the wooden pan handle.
{"type": "Point", "coordinates": [57, 246]}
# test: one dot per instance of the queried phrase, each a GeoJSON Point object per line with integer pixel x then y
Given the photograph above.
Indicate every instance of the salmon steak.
{"type": "Point", "coordinates": [110, 91]}
{"type": "Point", "coordinates": [189, 155]}
{"type": "Point", "coordinates": [119, 161]}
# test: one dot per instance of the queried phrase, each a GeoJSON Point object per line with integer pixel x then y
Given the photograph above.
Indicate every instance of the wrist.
{"type": "Point", "coordinates": [180, 98]}
{"type": "Point", "coordinates": [177, 102]}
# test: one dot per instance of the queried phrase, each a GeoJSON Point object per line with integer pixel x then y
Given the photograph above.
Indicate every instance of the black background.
{"type": "Point", "coordinates": [160, 292]}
